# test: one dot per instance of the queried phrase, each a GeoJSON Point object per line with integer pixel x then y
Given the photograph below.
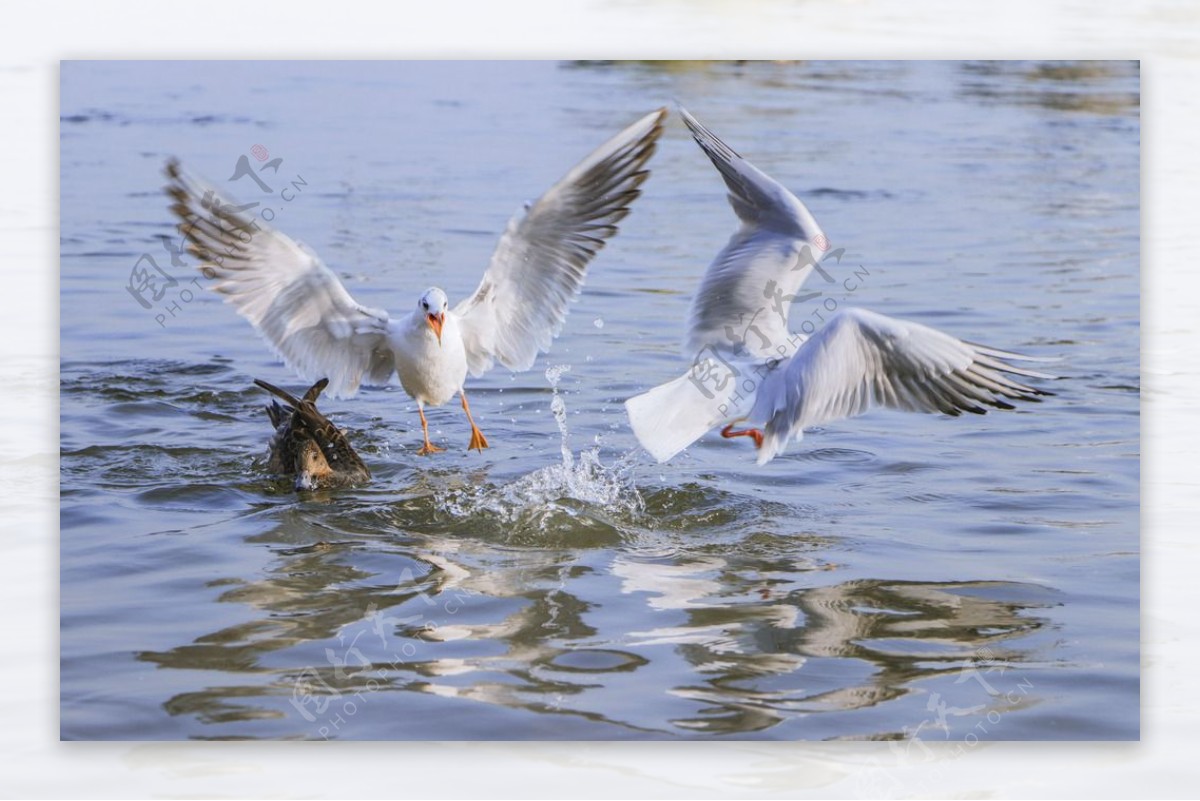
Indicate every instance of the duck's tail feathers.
{"type": "Point", "coordinates": [277, 413]}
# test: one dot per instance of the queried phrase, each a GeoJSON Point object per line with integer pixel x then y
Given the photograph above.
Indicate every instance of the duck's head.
{"type": "Point", "coordinates": [433, 306]}
{"type": "Point", "coordinates": [312, 469]}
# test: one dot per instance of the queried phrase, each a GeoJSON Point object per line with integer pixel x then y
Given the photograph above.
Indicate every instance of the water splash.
{"type": "Point", "coordinates": [581, 486]}
{"type": "Point", "coordinates": [558, 407]}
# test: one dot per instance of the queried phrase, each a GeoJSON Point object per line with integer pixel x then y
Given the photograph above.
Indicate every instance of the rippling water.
{"type": "Point", "coordinates": [892, 576]}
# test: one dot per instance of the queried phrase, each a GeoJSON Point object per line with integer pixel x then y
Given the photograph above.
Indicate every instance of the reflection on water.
{"type": "Point", "coordinates": [1058, 86]}
{"type": "Point", "coordinates": [761, 647]}
{"type": "Point", "coordinates": [895, 576]}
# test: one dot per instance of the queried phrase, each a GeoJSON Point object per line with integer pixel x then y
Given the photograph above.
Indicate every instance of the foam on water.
{"type": "Point", "coordinates": [577, 480]}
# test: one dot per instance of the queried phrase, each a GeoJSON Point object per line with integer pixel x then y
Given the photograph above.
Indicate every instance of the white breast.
{"type": "Point", "coordinates": [430, 372]}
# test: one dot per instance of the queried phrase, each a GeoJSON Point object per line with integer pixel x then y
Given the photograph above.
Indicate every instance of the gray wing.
{"type": "Point", "coordinates": [283, 289]}
{"type": "Point", "coordinates": [743, 301]}
{"type": "Point", "coordinates": [859, 360]}
{"type": "Point", "coordinates": [540, 262]}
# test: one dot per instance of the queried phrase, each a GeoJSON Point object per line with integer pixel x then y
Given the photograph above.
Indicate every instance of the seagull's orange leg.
{"type": "Point", "coordinates": [428, 447]}
{"type": "Point", "coordinates": [729, 433]}
{"type": "Point", "coordinates": [478, 440]}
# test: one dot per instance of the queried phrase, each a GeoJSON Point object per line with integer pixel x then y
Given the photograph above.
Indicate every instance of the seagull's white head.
{"type": "Point", "coordinates": [433, 306]}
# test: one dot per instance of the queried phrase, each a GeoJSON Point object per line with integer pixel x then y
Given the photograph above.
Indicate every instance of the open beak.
{"type": "Point", "coordinates": [435, 322]}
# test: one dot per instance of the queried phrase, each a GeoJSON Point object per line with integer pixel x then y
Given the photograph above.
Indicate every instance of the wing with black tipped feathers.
{"type": "Point", "coordinates": [283, 289]}
{"type": "Point", "coordinates": [861, 360]}
{"type": "Point", "coordinates": [744, 298]}
{"type": "Point", "coordinates": [541, 260]}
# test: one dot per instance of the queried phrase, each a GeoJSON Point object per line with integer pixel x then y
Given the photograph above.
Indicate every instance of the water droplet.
{"type": "Point", "coordinates": [554, 373]}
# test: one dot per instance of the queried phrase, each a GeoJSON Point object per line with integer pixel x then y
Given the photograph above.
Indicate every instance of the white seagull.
{"type": "Point", "coordinates": [302, 310]}
{"type": "Point", "coordinates": [748, 367]}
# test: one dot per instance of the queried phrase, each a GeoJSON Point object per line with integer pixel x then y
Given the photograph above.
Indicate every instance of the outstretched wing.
{"type": "Point", "coordinates": [539, 264]}
{"type": "Point", "coordinates": [743, 301]}
{"type": "Point", "coordinates": [859, 360]}
{"type": "Point", "coordinates": [290, 297]}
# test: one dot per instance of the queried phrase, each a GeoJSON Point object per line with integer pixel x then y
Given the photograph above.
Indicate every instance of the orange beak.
{"type": "Point", "coordinates": [435, 322]}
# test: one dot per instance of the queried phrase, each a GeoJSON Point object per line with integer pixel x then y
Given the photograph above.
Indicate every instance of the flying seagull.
{"type": "Point", "coordinates": [749, 368]}
{"type": "Point", "coordinates": [306, 315]}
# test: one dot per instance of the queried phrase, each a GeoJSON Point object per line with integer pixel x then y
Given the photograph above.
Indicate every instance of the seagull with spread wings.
{"type": "Point", "coordinates": [748, 367]}
{"type": "Point", "coordinates": [306, 315]}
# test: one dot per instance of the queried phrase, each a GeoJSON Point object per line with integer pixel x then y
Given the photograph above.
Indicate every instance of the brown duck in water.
{"type": "Point", "coordinates": [306, 445]}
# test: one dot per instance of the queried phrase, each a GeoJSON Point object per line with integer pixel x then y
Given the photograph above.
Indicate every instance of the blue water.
{"type": "Point", "coordinates": [892, 576]}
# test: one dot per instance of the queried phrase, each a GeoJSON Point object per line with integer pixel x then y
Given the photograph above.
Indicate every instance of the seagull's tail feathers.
{"type": "Point", "coordinates": [671, 416]}
{"type": "Point", "coordinates": [775, 439]}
